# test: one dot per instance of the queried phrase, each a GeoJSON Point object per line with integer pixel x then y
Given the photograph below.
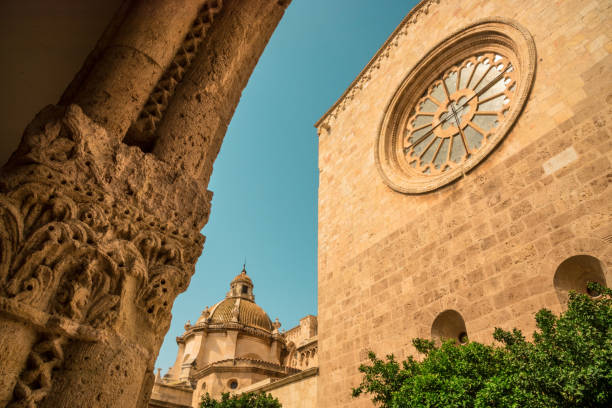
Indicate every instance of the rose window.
{"type": "Point", "coordinates": [457, 103]}
{"type": "Point", "coordinates": [458, 113]}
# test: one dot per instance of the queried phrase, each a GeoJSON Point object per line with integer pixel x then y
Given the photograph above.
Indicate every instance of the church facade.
{"type": "Point", "coordinates": [463, 180]}
{"type": "Point", "coordinates": [234, 347]}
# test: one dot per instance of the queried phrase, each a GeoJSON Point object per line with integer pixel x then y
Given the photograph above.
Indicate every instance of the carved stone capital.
{"type": "Point", "coordinates": [78, 256]}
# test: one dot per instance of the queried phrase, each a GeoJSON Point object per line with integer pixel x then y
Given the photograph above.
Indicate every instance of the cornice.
{"type": "Point", "coordinates": [310, 372]}
{"type": "Point", "coordinates": [221, 327]}
{"type": "Point", "coordinates": [245, 365]}
{"type": "Point", "coordinates": [422, 8]}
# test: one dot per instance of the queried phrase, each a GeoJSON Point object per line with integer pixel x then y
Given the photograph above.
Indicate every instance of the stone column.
{"type": "Point", "coordinates": [130, 64]}
{"type": "Point", "coordinates": [98, 237]}
{"type": "Point", "coordinates": [192, 130]}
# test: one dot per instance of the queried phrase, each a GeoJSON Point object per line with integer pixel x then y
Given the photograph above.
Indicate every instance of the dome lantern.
{"type": "Point", "coordinates": [241, 286]}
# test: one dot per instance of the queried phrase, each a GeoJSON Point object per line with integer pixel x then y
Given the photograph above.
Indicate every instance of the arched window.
{"type": "Point", "coordinates": [449, 325]}
{"type": "Point", "coordinates": [575, 273]}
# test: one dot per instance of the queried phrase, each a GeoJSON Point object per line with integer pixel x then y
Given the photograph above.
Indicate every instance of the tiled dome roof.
{"type": "Point", "coordinates": [249, 314]}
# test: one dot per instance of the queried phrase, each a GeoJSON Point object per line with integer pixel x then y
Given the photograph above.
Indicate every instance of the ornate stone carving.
{"type": "Point", "coordinates": [492, 63]}
{"type": "Point", "coordinates": [96, 238]}
{"type": "Point", "coordinates": [142, 131]}
{"type": "Point", "coordinates": [52, 248]}
{"type": "Point", "coordinates": [69, 245]}
{"type": "Point", "coordinates": [57, 229]}
{"type": "Point", "coordinates": [276, 325]}
{"type": "Point", "coordinates": [206, 314]}
{"type": "Point", "coordinates": [36, 380]}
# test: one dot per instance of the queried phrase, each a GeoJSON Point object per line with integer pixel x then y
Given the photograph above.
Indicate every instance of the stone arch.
{"type": "Point", "coordinates": [291, 355]}
{"type": "Point", "coordinates": [579, 246]}
{"type": "Point", "coordinates": [451, 301]}
{"type": "Point", "coordinates": [87, 200]}
{"type": "Point", "coordinates": [449, 325]}
{"type": "Point", "coordinates": [575, 273]}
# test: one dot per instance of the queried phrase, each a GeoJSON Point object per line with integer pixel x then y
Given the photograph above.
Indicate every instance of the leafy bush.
{"type": "Point", "coordinates": [568, 364]}
{"type": "Point", "coordinates": [246, 400]}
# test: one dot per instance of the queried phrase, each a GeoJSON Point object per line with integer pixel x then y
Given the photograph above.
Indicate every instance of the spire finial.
{"type": "Point", "coordinates": [244, 265]}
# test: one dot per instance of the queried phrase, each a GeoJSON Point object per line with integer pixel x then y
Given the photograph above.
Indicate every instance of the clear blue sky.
{"type": "Point", "coordinates": [265, 179]}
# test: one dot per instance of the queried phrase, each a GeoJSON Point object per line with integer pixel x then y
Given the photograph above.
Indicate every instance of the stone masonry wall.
{"type": "Point", "coordinates": [488, 244]}
{"type": "Point", "coordinates": [298, 394]}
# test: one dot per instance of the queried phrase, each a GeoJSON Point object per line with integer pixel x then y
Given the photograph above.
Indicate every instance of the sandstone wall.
{"type": "Point", "coordinates": [487, 245]}
{"type": "Point", "coordinates": [164, 396]}
{"type": "Point", "coordinates": [301, 394]}
{"type": "Point", "coordinates": [296, 391]}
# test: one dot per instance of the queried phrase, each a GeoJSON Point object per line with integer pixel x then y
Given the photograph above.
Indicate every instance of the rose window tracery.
{"type": "Point", "coordinates": [459, 112]}
{"type": "Point", "coordinates": [455, 106]}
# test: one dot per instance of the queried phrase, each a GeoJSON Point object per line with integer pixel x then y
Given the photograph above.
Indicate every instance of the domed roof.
{"type": "Point", "coordinates": [249, 313]}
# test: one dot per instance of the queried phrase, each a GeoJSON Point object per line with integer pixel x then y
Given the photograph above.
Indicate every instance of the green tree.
{"type": "Point", "coordinates": [246, 400]}
{"type": "Point", "coordinates": [568, 364]}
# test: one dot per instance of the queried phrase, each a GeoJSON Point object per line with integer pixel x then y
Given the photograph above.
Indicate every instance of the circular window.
{"type": "Point", "coordinates": [455, 106]}
{"type": "Point", "coordinates": [233, 384]}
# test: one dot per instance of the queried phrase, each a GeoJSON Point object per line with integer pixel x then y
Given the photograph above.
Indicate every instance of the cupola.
{"type": "Point", "coordinates": [241, 286]}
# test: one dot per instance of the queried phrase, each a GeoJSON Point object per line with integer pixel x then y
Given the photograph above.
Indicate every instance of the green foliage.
{"type": "Point", "coordinates": [568, 364]}
{"type": "Point", "coordinates": [246, 400]}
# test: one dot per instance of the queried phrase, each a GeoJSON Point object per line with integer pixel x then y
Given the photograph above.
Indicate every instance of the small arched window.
{"type": "Point", "coordinates": [575, 273]}
{"type": "Point", "coordinates": [449, 325]}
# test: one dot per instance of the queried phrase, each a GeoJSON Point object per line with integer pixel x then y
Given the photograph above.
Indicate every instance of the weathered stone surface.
{"type": "Point", "coordinates": [488, 245]}
{"type": "Point", "coordinates": [99, 237]}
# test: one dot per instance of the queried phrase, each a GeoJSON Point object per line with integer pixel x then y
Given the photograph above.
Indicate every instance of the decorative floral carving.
{"type": "Point", "coordinates": [166, 274]}
{"type": "Point", "coordinates": [68, 244]}
{"type": "Point", "coordinates": [55, 251]}
{"type": "Point", "coordinates": [64, 238]}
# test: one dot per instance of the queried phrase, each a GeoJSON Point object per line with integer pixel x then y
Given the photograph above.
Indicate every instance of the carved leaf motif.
{"type": "Point", "coordinates": [11, 232]}
{"type": "Point", "coordinates": [57, 245]}
{"type": "Point", "coordinates": [95, 217]}
{"type": "Point", "coordinates": [90, 289]}
{"type": "Point", "coordinates": [156, 251]}
{"type": "Point", "coordinates": [157, 296]}
{"type": "Point", "coordinates": [105, 289]}
{"type": "Point", "coordinates": [103, 310]}
{"type": "Point", "coordinates": [36, 267]}
{"type": "Point", "coordinates": [37, 206]}
{"type": "Point", "coordinates": [49, 139]}
{"type": "Point", "coordinates": [32, 289]}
